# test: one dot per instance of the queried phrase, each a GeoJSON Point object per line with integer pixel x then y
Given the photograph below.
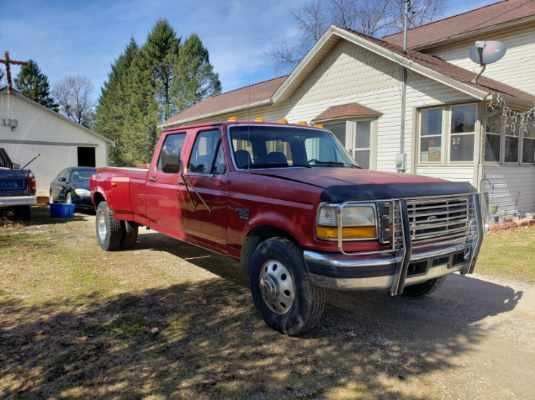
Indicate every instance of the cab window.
{"type": "Point", "coordinates": [170, 154]}
{"type": "Point", "coordinates": [204, 152]}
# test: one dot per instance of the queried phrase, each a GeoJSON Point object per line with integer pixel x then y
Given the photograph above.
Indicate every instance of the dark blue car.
{"type": "Point", "coordinates": [72, 186]}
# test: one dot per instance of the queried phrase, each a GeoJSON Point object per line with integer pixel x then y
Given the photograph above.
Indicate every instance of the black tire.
{"type": "Point", "coordinates": [111, 239]}
{"type": "Point", "coordinates": [130, 235]}
{"type": "Point", "coordinates": [23, 213]}
{"type": "Point", "coordinates": [309, 302]}
{"type": "Point", "coordinates": [424, 289]}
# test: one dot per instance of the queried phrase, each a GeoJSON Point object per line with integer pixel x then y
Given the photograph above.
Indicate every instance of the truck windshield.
{"type": "Point", "coordinates": [280, 147]}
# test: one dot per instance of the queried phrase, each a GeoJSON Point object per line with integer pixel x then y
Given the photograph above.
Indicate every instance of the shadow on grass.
{"type": "Point", "coordinates": [205, 340]}
{"type": "Point", "coordinates": [41, 216]}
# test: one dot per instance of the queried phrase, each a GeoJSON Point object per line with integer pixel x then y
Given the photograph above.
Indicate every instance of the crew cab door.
{"type": "Point", "coordinates": [165, 193]}
{"type": "Point", "coordinates": [206, 213]}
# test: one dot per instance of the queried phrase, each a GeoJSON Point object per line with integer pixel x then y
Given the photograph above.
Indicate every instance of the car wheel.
{"type": "Point", "coordinates": [110, 231]}
{"type": "Point", "coordinates": [424, 289]}
{"type": "Point", "coordinates": [281, 290]}
{"type": "Point", "coordinates": [130, 235]}
{"type": "Point", "coordinates": [23, 213]}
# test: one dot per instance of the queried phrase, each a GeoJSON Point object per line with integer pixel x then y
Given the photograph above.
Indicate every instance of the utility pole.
{"type": "Point", "coordinates": [8, 62]}
{"type": "Point", "coordinates": [401, 161]}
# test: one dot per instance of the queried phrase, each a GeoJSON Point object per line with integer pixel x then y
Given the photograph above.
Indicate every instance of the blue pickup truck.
{"type": "Point", "coordinates": [17, 188]}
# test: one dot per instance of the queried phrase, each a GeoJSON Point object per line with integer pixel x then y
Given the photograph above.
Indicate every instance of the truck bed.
{"type": "Point", "coordinates": [125, 187]}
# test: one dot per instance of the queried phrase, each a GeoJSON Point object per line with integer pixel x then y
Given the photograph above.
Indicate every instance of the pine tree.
{"type": "Point", "coordinates": [112, 108]}
{"type": "Point", "coordinates": [195, 76]}
{"type": "Point", "coordinates": [142, 117]}
{"type": "Point", "coordinates": [161, 52]}
{"type": "Point", "coordinates": [32, 83]}
{"type": "Point", "coordinates": [149, 84]}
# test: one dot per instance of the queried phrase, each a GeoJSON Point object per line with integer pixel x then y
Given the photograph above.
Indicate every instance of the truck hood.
{"type": "Point", "coordinates": [344, 184]}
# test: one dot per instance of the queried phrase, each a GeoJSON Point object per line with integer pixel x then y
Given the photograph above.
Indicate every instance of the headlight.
{"type": "Point", "coordinates": [82, 192]}
{"type": "Point", "coordinates": [358, 222]}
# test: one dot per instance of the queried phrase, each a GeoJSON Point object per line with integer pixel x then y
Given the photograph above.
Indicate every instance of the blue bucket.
{"type": "Point", "coordinates": [62, 210]}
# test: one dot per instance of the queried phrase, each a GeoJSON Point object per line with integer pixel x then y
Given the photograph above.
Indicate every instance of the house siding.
{"type": "Point", "coordinates": [509, 189]}
{"type": "Point", "coordinates": [516, 68]}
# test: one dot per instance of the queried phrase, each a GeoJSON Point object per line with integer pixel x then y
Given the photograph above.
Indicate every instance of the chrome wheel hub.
{"type": "Point", "coordinates": [101, 227]}
{"type": "Point", "coordinates": [277, 287]}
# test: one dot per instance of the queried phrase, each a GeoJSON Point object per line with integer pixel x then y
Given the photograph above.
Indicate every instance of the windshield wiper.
{"type": "Point", "coordinates": [314, 162]}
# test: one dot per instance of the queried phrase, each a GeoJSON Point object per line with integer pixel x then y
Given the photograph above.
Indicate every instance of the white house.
{"type": "Point", "coordinates": [28, 129]}
{"type": "Point", "coordinates": [454, 129]}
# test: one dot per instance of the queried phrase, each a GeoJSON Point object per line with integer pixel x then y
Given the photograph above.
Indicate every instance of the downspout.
{"type": "Point", "coordinates": [401, 160]}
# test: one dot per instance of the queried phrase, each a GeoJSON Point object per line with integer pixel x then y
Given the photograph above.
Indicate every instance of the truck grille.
{"type": "Point", "coordinates": [439, 220]}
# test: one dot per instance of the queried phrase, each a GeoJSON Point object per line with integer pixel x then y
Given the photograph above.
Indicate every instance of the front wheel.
{"type": "Point", "coordinates": [281, 290]}
{"type": "Point", "coordinates": [110, 231]}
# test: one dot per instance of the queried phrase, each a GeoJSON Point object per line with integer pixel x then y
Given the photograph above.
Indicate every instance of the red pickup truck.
{"type": "Point", "coordinates": [291, 205]}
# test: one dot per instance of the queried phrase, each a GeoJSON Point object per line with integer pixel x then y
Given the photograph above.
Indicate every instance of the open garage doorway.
{"type": "Point", "coordinates": [86, 157]}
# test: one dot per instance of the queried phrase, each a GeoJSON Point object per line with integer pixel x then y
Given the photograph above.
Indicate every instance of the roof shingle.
{"type": "Point", "coordinates": [257, 92]}
{"type": "Point", "coordinates": [487, 17]}
{"type": "Point", "coordinates": [350, 110]}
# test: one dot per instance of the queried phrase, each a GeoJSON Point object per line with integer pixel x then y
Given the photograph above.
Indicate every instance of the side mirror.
{"type": "Point", "coordinates": [171, 166]}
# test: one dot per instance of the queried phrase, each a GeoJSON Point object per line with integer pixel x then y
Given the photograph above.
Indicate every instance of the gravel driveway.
{"type": "Point", "coordinates": [160, 322]}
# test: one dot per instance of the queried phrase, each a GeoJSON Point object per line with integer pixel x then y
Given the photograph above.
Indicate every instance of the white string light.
{"type": "Point", "coordinates": [514, 121]}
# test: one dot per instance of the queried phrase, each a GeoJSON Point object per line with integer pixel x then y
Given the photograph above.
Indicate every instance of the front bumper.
{"type": "Point", "coordinates": [395, 270]}
{"type": "Point", "coordinates": [13, 201]}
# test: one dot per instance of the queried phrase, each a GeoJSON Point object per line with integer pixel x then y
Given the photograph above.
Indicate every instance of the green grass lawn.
{"type": "Point", "coordinates": [509, 254]}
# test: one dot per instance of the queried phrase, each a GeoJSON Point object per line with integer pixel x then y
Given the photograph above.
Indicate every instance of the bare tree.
{"type": "Point", "coordinates": [372, 17]}
{"type": "Point", "coordinates": [73, 95]}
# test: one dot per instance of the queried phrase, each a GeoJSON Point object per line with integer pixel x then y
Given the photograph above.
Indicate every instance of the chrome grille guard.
{"type": "Point", "coordinates": [402, 241]}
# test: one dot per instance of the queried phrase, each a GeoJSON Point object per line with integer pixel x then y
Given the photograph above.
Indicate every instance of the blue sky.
{"type": "Point", "coordinates": [75, 37]}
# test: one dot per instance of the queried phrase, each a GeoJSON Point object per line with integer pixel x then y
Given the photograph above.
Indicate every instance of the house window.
{"type": "Point", "coordinates": [462, 134]}
{"type": "Point", "coordinates": [528, 152]}
{"type": "Point", "coordinates": [493, 138]}
{"type": "Point", "coordinates": [362, 148]}
{"type": "Point", "coordinates": [431, 134]}
{"type": "Point", "coordinates": [357, 137]}
{"type": "Point", "coordinates": [511, 144]}
{"type": "Point", "coordinates": [339, 130]}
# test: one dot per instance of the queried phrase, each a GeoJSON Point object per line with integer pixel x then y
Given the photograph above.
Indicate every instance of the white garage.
{"type": "Point", "coordinates": [27, 129]}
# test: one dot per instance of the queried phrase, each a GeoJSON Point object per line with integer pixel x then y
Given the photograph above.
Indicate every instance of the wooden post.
{"type": "Point", "coordinates": [8, 62]}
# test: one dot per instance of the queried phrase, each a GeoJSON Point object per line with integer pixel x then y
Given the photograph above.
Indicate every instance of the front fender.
{"type": "Point", "coordinates": [279, 222]}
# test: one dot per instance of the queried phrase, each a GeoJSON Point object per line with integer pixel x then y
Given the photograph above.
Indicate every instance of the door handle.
{"type": "Point", "coordinates": [152, 179]}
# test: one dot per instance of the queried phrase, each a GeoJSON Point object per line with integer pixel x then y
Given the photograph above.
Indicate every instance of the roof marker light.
{"type": "Point", "coordinates": [282, 121]}
{"type": "Point", "coordinates": [232, 119]}
{"type": "Point", "coordinates": [259, 119]}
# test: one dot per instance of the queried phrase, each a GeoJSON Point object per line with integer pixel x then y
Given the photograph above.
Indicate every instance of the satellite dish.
{"type": "Point", "coordinates": [487, 52]}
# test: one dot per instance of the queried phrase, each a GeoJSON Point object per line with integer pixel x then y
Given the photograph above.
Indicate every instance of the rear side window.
{"type": "Point", "coordinates": [171, 148]}
{"type": "Point", "coordinates": [204, 151]}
